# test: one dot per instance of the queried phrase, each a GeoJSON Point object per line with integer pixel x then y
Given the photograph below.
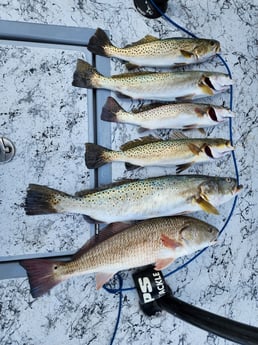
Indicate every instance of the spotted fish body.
{"type": "Point", "coordinates": [154, 52]}
{"type": "Point", "coordinates": [163, 86]}
{"type": "Point", "coordinates": [150, 151]}
{"type": "Point", "coordinates": [172, 115]}
{"type": "Point", "coordinates": [121, 246]}
{"type": "Point", "coordinates": [137, 199]}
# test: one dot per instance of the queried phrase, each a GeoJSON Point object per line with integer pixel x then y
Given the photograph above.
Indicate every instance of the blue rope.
{"type": "Point", "coordinates": [114, 291]}
{"type": "Point", "coordinates": [120, 289]}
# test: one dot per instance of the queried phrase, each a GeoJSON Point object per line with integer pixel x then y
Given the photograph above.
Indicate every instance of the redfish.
{"type": "Point", "coordinates": [136, 199]}
{"type": "Point", "coordinates": [153, 52]}
{"type": "Point", "coordinates": [163, 86]}
{"type": "Point", "coordinates": [120, 247]}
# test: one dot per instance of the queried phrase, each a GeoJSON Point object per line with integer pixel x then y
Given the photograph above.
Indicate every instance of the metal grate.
{"type": "Point", "coordinates": [65, 38]}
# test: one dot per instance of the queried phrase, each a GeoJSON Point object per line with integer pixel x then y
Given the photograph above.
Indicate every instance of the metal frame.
{"type": "Point", "coordinates": [60, 37]}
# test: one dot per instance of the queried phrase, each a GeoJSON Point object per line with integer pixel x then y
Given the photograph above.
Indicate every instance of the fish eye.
{"type": "Point", "coordinates": [210, 230]}
{"type": "Point", "coordinates": [228, 180]}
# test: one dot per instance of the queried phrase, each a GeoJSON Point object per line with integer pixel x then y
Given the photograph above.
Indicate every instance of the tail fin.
{"type": "Point", "coordinates": [85, 75]}
{"type": "Point", "coordinates": [98, 42]}
{"type": "Point", "coordinates": [42, 200]}
{"type": "Point", "coordinates": [110, 110]}
{"type": "Point", "coordinates": [42, 274]}
{"type": "Point", "coordinates": [95, 156]}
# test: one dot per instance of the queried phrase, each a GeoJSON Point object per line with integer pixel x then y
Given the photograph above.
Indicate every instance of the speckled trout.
{"type": "Point", "coordinates": [136, 199]}
{"type": "Point", "coordinates": [151, 51]}
{"type": "Point", "coordinates": [172, 115]}
{"type": "Point", "coordinates": [163, 86]}
{"type": "Point", "coordinates": [181, 152]}
{"type": "Point", "coordinates": [121, 246]}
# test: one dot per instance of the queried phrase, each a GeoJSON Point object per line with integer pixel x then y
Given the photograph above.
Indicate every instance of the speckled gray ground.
{"type": "Point", "coordinates": [47, 124]}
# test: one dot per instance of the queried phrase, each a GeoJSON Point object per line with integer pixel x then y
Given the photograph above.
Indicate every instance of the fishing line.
{"type": "Point", "coordinates": [120, 289]}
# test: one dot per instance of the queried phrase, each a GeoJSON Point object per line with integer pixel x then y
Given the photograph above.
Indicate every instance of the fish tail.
{"type": "Point", "coordinates": [85, 75]}
{"type": "Point", "coordinates": [96, 156]}
{"type": "Point", "coordinates": [99, 42]}
{"type": "Point", "coordinates": [110, 110]}
{"type": "Point", "coordinates": [42, 275]}
{"type": "Point", "coordinates": [43, 200]}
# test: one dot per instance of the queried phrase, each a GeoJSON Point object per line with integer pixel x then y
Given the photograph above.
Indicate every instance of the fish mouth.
{"type": "Point", "coordinates": [218, 49]}
{"type": "Point", "coordinates": [238, 189]}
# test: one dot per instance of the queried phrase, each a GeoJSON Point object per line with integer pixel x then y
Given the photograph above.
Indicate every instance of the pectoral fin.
{"type": "Point", "coordinates": [194, 149]}
{"type": "Point", "coordinates": [163, 263]}
{"type": "Point", "coordinates": [206, 206]}
{"type": "Point", "coordinates": [169, 242]}
{"type": "Point", "coordinates": [206, 89]}
{"type": "Point", "coordinates": [186, 54]}
{"type": "Point", "coordinates": [131, 66]}
{"type": "Point", "coordinates": [130, 166]}
{"type": "Point", "coordinates": [182, 167]}
{"type": "Point", "coordinates": [185, 98]}
{"type": "Point", "coordinates": [102, 278]}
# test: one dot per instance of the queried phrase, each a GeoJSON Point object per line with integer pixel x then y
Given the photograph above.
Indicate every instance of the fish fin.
{"type": "Point", "coordinates": [96, 155]}
{"type": "Point", "coordinates": [42, 200]}
{"type": "Point", "coordinates": [186, 97]}
{"type": "Point", "coordinates": [129, 74]}
{"type": "Point", "coordinates": [146, 39]}
{"type": "Point", "coordinates": [206, 89]}
{"type": "Point", "coordinates": [182, 167]}
{"type": "Point", "coordinates": [146, 107]}
{"type": "Point", "coordinates": [139, 142]}
{"type": "Point", "coordinates": [186, 53]}
{"type": "Point", "coordinates": [109, 231]}
{"type": "Point", "coordinates": [163, 263]}
{"type": "Point", "coordinates": [85, 75]}
{"type": "Point", "coordinates": [202, 131]}
{"type": "Point", "coordinates": [98, 42]}
{"type": "Point", "coordinates": [194, 149]}
{"type": "Point", "coordinates": [179, 64]}
{"type": "Point", "coordinates": [131, 66]}
{"type": "Point", "coordinates": [83, 193]}
{"type": "Point", "coordinates": [41, 274]}
{"type": "Point", "coordinates": [143, 129]}
{"type": "Point", "coordinates": [91, 220]}
{"type": "Point", "coordinates": [169, 242]}
{"type": "Point", "coordinates": [102, 278]}
{"type": "Point", "coordinates": [178, 135]}
{"type": "Point", "coordinates": [110, 110]}
{"type": "Point", "coordinates": [130, 166]}
{"type": "Point", "coordinates": [206, 206]}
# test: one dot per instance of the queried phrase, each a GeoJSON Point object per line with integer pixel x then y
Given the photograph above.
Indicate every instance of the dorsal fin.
{"type": "Point", "coordinates": [139, 142]}
{"type": "Point", "coordinates": [106, 233]}
{"type": "Point", "coordinates": [146, 107]}
{"type": "Point", "coordinates": [134, 74]}
{"type": "Point", "coordinates": [146, 39]}
{"type": "Point", "coordinates": [98, 189]}
{"type": "Point", "coordinates": [178, 135]}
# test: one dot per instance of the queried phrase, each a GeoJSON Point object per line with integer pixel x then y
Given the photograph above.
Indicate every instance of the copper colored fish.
{"type": "Point", "coordinates": [121, 246]}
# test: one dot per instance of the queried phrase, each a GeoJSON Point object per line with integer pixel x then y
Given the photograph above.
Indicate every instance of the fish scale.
{"type": "Point", "coordinates": [137, 199]}
{"type": "Point", "coordinates": [163, 86]}
{"type": "Point", "coordinates": [172, 115]}
{"type": "Point", "coordinates": [119, 246]}
{"type": "Point", "coordinates": [154, 52]}
{"type": "Point", "coordinates": [150, 151]}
